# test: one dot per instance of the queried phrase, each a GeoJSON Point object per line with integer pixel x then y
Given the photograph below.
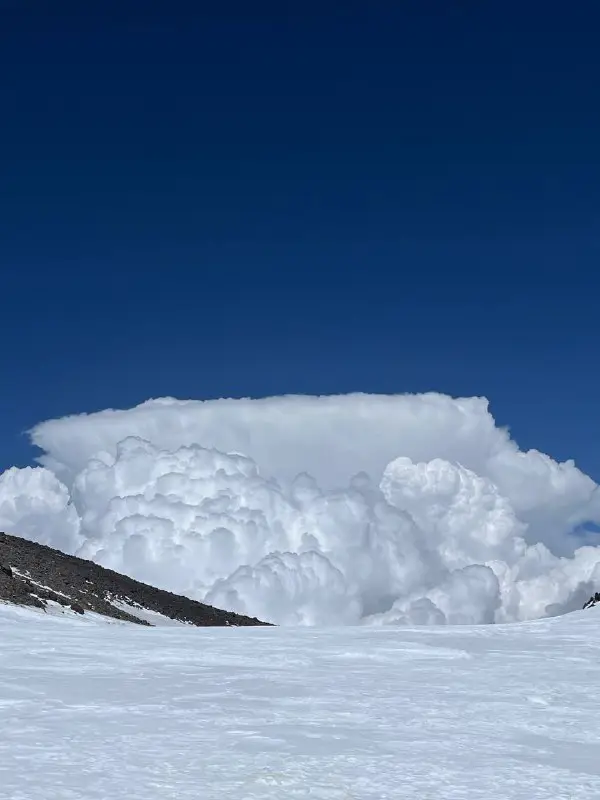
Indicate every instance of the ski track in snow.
{"type": "Point", "coordinates": [93, 710]}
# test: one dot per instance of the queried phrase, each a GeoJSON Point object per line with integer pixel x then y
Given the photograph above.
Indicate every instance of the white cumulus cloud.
{"type": "Point", "coordinates": [356, 509]}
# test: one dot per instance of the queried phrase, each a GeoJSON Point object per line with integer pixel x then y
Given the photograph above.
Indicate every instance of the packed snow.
{"type": "Point", "coordinates": [358, 509]}
{"type": "Point", "coordinates": [93, 709]}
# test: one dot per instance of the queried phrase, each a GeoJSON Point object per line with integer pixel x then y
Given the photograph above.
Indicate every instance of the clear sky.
{"type": "Point", "coordinates": [232, 199]}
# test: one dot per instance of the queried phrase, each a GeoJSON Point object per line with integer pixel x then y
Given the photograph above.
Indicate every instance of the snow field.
{"type": "Point", "coordinates": [93, 710]}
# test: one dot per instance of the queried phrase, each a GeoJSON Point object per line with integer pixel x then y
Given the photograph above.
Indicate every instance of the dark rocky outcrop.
{"type": "Point", "coordinates": [593, 601]}
{"type": "Point", "coordinates": [32, 574]}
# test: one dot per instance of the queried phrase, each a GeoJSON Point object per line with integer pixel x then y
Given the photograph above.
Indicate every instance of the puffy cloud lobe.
{"type": "Point", "coordinates": [34, 504]}
{"type": "Point", "coordinates": [337, 510]}
{"type": "Point", "coordinates": [464, 515]}
{"type": "Point", "coordinates": [293, 588]}
{"type": "Point", "coordinates": [468, 596]}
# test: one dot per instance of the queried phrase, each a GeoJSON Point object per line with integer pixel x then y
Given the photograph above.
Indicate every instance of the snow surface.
{"type": "Point", "coordinates": [153, 617]}
{"type": "Point", "coordinates": [94, 709]}
{"type": "Point", "coordinates": [383, 510]}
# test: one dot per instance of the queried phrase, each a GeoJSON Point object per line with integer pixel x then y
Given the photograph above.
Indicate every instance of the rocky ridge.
{"type": "Point", "coordinates": [593, 601]}
{"type": "Point", "coordinates": [35, 575]}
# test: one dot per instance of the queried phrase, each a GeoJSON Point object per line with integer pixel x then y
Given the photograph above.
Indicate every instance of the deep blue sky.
{"type": "Point", "coordinates": [263, 198]}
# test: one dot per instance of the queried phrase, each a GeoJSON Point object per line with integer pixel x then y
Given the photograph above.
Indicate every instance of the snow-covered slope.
{"type": "Point", "coordinates": [93, 709]}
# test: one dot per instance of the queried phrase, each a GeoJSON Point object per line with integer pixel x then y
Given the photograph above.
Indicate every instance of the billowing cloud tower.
{"type": "Point", "coordinates": [356, 509]}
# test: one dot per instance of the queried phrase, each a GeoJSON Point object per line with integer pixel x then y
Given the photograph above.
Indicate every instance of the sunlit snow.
{"type": "Point", "coordinates": [93, 710]}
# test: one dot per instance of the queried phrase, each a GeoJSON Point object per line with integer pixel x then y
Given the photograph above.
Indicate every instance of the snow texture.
{"type": "Point", "coordinates": [94, 710]}
{"type": "Point", "coordinates": [411, 509]}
